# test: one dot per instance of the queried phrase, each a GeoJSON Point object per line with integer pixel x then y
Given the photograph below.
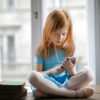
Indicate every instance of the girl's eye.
{"type": "Point", "coordinates": [63, 33]}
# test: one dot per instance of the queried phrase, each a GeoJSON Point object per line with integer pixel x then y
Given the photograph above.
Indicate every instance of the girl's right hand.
{"type": "Point", "coordinates": [69, 66]}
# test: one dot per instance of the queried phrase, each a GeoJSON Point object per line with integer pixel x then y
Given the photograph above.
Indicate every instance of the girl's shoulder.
{"type": "Point", "coordinates": [39, 55]}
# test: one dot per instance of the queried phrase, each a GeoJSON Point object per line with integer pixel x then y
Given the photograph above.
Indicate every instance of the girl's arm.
{"type": "Point", "coordinates": [55, 70]}
{"type": "Point", "coordinates": [68, 66]}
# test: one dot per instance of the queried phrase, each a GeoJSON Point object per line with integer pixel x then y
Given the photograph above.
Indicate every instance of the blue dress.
{"type": "Point", "coordinates": [61, 79]}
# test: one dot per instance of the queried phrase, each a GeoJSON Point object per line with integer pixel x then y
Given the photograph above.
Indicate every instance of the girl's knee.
{"type": "Point", "coordinates": [88, 75]}
{"type": "Point", "coordinates": [32, 76]}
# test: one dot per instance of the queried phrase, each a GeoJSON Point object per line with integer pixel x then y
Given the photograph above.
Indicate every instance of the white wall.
{"type": "Point", "coordinates": [91, 35]}
{"type": "Point", "coordinates": [94, 37]}
{"type": "Point", "coordinates": [97, 38]}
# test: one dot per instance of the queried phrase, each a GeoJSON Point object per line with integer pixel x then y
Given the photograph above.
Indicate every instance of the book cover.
{"type": "Point", "coordinates": [11, 85]}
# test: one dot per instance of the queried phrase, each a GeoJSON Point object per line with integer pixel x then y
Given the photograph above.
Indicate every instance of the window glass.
{"type": "Point", "coordinates": [15, 48]}
{"type": "Point", "coordinates": [11, 49]}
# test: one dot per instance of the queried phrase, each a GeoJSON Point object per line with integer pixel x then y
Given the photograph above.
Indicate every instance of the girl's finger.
{"type": "Point", "coordinates": [70, 62]}
{"type": "Point", "coordinates": [65, 64]}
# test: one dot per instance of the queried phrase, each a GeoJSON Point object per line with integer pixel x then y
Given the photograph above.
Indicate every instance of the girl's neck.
{"type": "Point", "coordinates": [57, 48]}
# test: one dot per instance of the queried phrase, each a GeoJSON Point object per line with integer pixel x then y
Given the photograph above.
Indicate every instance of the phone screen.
{"type": "Point", "coordinates": [72, 59]}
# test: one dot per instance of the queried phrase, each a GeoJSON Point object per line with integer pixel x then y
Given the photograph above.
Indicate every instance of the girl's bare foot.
{"type": "Point", "coordinates": [38, 94]}
{"type": "Point", "coordinates": [84, 92]}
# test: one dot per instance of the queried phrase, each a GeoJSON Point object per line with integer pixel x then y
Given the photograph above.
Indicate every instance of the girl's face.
{"type": "Point", "coordinates": [59, 37]}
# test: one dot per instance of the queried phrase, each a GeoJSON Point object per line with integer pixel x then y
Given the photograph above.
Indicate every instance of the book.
{"type": "Point", "coordinates": [10, 89]}
{"type": "Point", "coordinates": [14, 96]}
{"type": "Point", "coordinates": [12, 85]}
{"type": "Point", "coordinates": [11, 92]}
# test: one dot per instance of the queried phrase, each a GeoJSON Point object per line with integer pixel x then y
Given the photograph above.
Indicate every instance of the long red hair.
{"type": "Point", "coordinates": [57, 19]}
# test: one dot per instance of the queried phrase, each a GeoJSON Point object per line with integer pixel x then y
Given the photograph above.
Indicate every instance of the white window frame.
{"type": "Point", "coordinates": [36, 6]}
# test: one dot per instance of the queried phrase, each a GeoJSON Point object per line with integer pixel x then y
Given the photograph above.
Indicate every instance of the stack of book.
{"type": "Point", "coordinates": [12, 90]}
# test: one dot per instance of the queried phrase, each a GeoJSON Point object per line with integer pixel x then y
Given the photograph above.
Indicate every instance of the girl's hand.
{"type": "Point", "coordinates": [69, 66]}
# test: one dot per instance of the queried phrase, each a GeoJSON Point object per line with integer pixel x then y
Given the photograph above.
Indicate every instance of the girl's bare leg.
{"type": "Point", "coordinates": [47, 86]}
{"type": "Point", "coordinates": [80, 80]}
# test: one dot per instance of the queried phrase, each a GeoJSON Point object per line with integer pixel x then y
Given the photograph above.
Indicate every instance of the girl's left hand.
{"type": "Point", "coordinates": [69, 66]}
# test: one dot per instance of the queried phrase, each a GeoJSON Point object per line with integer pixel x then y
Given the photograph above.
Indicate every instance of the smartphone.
{"type": "Point", "coordinates": [72, 59]}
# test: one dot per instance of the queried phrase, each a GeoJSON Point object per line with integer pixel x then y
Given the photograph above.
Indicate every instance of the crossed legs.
{"type": "Point", "coordinates": [46, 86]}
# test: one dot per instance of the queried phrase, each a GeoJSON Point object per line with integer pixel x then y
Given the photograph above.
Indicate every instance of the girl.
{"type": "Point", "coordinates": [52, 74]}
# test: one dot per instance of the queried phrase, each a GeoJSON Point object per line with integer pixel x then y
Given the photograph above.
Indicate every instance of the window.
{"type": "Point", "coordinates": [11, 49]}
{"type": "Point", "coordinates": [22, 4]}
{"type": "Point", "coordinates": [15, 52]}
{"type": "Point", "coordinates": [1, 4]}
{"type": "Point", "coordinates": [10, 4]}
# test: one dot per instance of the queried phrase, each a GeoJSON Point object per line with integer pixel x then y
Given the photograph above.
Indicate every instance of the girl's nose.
{"type": "Point", "coordinates": [61, 38]}
{"type": "Point", "coordinates": [58, 37]}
